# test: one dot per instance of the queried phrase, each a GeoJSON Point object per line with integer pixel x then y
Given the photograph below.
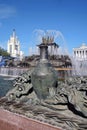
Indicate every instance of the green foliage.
{"type": "Point", "coordinates": [3, 52]}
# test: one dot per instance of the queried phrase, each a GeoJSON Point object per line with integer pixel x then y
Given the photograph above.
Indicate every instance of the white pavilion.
{"type": "Point", "coordinates": [80, 53]}
{"type": "Point", "coordinates": [13, 46]}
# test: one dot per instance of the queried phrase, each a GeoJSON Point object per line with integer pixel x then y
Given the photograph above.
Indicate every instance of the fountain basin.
{"type": "Point", "coordinates": [13, 121]}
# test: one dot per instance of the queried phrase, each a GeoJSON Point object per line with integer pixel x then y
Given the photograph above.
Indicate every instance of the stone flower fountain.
{"type": "Point", "coordinates": [40, 95]}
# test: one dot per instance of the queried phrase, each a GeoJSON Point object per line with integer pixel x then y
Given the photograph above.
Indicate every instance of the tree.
{"type": "Point", "coordinates": [3, 52]}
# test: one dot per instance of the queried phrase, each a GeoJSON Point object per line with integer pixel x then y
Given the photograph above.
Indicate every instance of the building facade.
{"type": "Point", "coordinates": [13, 46]}
{"type": "Point", "coordinates": [80, 53]}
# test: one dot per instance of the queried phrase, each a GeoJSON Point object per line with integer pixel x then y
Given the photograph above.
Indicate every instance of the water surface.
{"type": "Point", "coordinates": [6, 83]}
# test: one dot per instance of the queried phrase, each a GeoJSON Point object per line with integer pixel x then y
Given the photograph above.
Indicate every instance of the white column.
{"type": "Point", "coordinates": [76, 53]}
{"type": "Point", "coordinates": [79, 54]}
{"type": "Point", "coordinates": [85, 54]}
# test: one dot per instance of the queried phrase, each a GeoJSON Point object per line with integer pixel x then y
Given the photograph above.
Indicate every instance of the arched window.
{"type": "Point", "coordinates": [74, 52]}
{"type": "Point", "coordinates": [86, 52]}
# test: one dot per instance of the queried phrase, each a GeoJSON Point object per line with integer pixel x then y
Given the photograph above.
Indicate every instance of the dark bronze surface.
{"type": "Point", "coordinates": [44, 77]}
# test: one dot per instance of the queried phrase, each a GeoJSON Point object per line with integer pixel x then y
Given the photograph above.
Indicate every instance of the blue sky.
{"type": "Point", "coordinates": [66, 17]}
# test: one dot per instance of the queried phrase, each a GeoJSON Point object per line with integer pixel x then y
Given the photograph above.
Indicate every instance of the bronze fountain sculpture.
{"type": "Point", "coordinates": [40, 95]}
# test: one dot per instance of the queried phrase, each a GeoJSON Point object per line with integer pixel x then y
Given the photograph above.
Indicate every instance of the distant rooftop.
{"type": "Point", "coordinates": [83, 46]}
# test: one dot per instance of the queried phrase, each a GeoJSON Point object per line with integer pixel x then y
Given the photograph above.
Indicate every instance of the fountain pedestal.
{"type": "Point", "coordinates": [44, 77]}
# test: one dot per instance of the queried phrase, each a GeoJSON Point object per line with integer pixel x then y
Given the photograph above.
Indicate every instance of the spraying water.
{"type": "Point", "coordinates": [57, 37]}
{"type": "Point", "coordinates": [79, 67]}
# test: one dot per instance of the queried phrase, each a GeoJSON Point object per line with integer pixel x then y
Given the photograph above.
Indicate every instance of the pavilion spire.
{"type": "Point", "coordinates": [14, 33]}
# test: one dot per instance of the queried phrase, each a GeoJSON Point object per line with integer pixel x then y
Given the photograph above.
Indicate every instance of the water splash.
{"type": "Point", "coordinates": [13, 72]}
{"type": "Point", "coordinates": [79, 67]}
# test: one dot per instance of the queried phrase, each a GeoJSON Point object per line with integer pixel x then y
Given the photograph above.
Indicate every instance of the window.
{"type": "Point", "coordinates": [16, 47]}
{"type": "Point", "coordinates": [10, 49]}
{"type": "Point", "coordinates": [86, 52]}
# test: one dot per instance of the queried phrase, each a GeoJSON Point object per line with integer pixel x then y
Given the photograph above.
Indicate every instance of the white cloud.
{"type": "Point", "coordinates": [6, 11]}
